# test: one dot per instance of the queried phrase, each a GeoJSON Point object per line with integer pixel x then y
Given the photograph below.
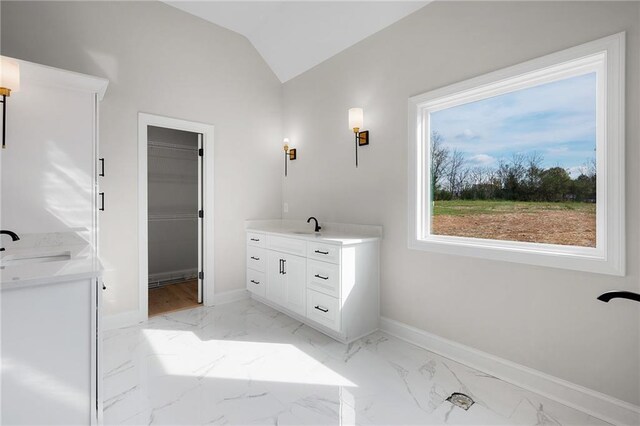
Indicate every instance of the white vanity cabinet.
{"type": "Point", "coordinates": [256, 264]}
{"type": "Point", "coordinates": [50, 347]}
{"type": "Point", "coordinates": [331, 284]}
{"type": "Point", "coordinates": [285, 280]}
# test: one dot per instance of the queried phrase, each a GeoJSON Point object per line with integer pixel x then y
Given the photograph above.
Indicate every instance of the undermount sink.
{"type": "Point", "coordinates": [11, 260]}
{"type": "Point", "coordinates": [305, 232]}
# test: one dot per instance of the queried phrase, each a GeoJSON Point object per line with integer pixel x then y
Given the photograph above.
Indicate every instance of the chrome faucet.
{"type": "Point", "coordinates": [318, 227]}
{"type": "Point", "coordinates": [13, 235]}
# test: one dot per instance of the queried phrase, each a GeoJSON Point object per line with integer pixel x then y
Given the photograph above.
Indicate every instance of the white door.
{"type": "Point", "coordinates": [201, 217]}
{"type": "Point", "coordinates": [295, 268]}
{"type": "Point", "coordinates": [275, 281]}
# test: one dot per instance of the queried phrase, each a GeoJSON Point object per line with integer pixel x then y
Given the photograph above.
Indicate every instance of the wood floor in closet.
{"type": "Point", "coordinates": [173, 297]}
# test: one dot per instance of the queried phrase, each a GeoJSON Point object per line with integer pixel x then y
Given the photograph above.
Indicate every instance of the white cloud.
{"type": "Point", "coordinates": [483, 159]}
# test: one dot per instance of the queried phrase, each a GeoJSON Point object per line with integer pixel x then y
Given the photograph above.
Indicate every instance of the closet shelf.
{"type": "Point", "coordinates": [172, 146]}
{"type": "Point", "coordinates": [169, 217]}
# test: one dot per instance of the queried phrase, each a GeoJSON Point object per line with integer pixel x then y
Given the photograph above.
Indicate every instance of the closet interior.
{"type": "Point", "coordinates": [174, 197]}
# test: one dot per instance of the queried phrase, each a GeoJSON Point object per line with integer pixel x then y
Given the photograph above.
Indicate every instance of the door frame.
{"type": "Point", "coordinates": [145, 120]}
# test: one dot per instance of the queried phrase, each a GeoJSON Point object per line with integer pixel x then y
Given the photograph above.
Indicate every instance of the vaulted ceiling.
{"type": "Point", "coordinates": [295, 36]}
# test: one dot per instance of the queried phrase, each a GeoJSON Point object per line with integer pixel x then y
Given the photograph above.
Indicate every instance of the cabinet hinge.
{"type": "Point", "coordinates": [200, 213]}
{"type": "Point", "coordinates": [201, 275]}
{"type": "Point", "coordinates": [201, 152]}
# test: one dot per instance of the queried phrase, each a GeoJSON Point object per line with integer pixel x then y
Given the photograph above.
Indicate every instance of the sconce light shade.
{"type": "Point", "coordinates": [356, 119]}
{"type": "Point", "coordinates": [356, 123]}
{"type": "Point", "coordinates": [9, 75]}
{"type": "Point", "coordinates": [289, 154]}
{"type": "Point", "coordinates": [9, 81]}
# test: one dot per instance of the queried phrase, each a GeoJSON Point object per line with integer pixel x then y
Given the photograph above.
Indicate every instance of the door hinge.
{"type": "Point", "coordinates": [201, 213]}
{"type": "Point", "coordinates": [201, 275]}
{"type": "Point", "coordinates": [201, 152]}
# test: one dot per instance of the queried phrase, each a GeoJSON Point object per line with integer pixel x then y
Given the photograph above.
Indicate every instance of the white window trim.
{"type": "Point", "coordinates": [607, 57]}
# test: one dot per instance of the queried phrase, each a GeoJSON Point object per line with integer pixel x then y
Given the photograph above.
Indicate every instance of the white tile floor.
{"type": "Point", "coordinates": [245, 363]}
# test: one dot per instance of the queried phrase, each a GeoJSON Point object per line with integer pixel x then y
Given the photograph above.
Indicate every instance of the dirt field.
{"type": "Point", "coordinates": [552, 223]}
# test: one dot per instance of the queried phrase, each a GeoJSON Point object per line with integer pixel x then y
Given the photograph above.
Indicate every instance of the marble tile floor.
{"type": "Point", "coordinates": [244, 363]}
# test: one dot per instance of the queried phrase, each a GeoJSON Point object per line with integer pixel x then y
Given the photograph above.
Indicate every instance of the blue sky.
{"type": "Point", "coordinates": [555, 119]}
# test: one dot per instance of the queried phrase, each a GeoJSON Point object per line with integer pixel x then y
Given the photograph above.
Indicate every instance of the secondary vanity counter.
{"type": "Point", "coordinates": [47, 258]}
{"type": "Point", "coordinates": [328, 279]}
{"type": "Point", "coordinates": [331, 233]}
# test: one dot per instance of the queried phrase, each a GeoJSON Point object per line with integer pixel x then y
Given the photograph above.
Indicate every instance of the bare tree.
{"type": "Point", "coordinates": [591, 167]}
{"type": "Point", "coordinates": [533, 174]}
{"type": "Point", "coordinates": [457, 172]}
{"type": "Point", "coordinates": [534, 162]}
{"type": "Point", "coordinates": [439, 160]}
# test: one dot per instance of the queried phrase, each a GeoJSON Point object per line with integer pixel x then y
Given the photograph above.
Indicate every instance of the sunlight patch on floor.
{"type": "Point", "coordinates": [232, 359]}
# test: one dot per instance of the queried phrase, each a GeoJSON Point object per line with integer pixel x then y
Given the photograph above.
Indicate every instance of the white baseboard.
{"type": "Point", "coordinates": [173, 275]}
{"type": "Point", "coordinates": [594, 403]}
{"type": "Point", "coordinates": [123, 319]}
{"type": "Point", "coordinates": [230, 296]}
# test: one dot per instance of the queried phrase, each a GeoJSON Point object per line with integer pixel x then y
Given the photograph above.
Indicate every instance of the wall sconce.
{"type": "Point", "coordinates": [289, 154]}
{"type": "Point", "coordinates": [356, 122]}
{"type": "Point", "coordinates": [9, 81]}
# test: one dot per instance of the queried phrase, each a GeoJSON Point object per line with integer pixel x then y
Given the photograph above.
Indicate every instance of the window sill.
{"type": "Point", "coordinates": [582, 259]}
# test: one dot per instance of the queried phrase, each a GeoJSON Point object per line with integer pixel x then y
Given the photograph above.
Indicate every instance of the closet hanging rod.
{"type": "Point", "coordinates": [173, 146]}
{"type": "Point", "coordinates": [169, 217]}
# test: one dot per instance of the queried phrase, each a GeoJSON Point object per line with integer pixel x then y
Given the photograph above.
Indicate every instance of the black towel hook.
{"type": "Point", "coordinates": [619, 294]}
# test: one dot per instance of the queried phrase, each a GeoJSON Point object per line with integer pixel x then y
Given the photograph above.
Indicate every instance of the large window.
{"type": "Point", "coordinates": [525, 164]}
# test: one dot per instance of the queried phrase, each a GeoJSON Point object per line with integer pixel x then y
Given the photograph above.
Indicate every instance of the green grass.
{"type": "Point", "coordinates": [474, 207]}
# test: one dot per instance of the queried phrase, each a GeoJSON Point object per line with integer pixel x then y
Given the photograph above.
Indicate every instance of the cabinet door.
{"type": "Point", "coordinates": [275, 278]}
{"type": "Point", "coordinates": [295, 268]}
{"type": "Point", "coordinates": [48, 348]}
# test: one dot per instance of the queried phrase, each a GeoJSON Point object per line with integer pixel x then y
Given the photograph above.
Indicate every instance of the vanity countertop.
{"type": "Point", "coordinates": [331, 233]}
{"type": "Point", "coordinates": [47, 258]}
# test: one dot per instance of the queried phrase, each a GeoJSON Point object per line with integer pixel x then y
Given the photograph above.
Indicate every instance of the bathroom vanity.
{"type": "Point", "coordinates": [50, 305]}
{"type": "Point", "coordinates": [328, 280]}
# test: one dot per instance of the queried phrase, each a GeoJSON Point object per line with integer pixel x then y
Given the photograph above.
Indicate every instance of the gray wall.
{"type": "Point", "coordinates": [544, 318]}
{"type": "Point", "coordinates": [162, 61]}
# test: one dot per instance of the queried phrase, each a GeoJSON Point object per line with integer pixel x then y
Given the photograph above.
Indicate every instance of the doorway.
{"type": "Point", "coordinates": [175, 231]}
{"type": "Point", "coordinates": [174, 200]}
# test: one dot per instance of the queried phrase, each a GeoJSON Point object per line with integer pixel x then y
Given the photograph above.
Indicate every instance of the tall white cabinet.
{"type": "Point", "coordinates": [49, 167]}
{"type": "Point", "coordinates": [330, 282]}
{"type": "Point", "coordinates": [51, 278]}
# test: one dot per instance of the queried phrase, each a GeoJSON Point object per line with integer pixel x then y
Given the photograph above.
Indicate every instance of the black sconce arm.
{"type": "Point", "coordinates": [619, 294]}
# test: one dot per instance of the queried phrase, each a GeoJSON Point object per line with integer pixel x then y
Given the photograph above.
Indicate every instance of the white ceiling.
{"type": "Point", "coordinates": [294, 36]}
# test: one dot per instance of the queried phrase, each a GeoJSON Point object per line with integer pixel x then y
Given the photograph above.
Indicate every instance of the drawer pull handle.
{"type": "Point", "coordinates": [255, 282]}
{"type": "Point", "coordinates": [255, 258]}
{"type": "Point", "coordinates": [321, 277]}
{"type": "Point", "coordinates": [325, 310]}
{"type": "Point", "coordinates": [322, 252]}
{"type": "Point", "coordinates": [255, 239]}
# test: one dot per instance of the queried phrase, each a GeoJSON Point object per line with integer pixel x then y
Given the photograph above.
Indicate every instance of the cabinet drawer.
{"type": "Point", "coordinates": [256, 258]}
{"type": "Point", "coordinates": [256, 282]}
{"type": "Point", "coordinates": [323, 277]}
{"type": "Point", "coordinates": [323, 309]}
{"type": "Point", "coordinates": [324, 252]}
{"type": "Point", "coordinates": [287, 245]}
{"type": "Point", "coordinates": [256, 239]}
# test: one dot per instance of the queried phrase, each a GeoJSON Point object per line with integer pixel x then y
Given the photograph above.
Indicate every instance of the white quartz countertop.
{"type": "Point", "coordinates": [331, 233]}
{"type": "Point", "coordinates": [47, 258]}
